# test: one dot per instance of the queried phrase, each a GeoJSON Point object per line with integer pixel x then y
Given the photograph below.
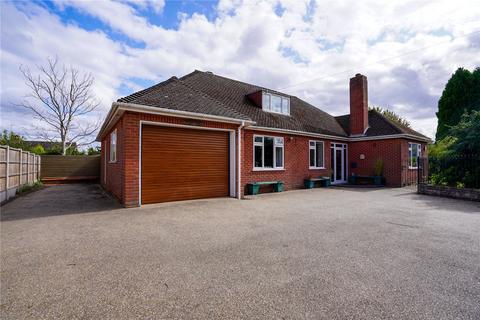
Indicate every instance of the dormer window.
{"type": "Point", "coordinates": [275, 103]}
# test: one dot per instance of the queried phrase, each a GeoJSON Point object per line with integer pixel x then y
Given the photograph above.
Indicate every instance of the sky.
{"type": "Point", "coordinates": [408, 49]}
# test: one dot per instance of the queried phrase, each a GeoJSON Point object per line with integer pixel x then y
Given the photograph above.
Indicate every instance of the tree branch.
{"type": "Point", "coordinates": [60, 97]}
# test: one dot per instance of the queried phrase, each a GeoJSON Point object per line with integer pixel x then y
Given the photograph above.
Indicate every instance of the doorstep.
{"type": "Point", "coordinates": [359, 186]}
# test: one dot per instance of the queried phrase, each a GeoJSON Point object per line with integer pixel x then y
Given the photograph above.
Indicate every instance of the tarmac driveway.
{"type": "Point", "coordinates": [69, 252]}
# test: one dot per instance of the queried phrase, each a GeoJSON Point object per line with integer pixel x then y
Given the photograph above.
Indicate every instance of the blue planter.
{"type": "Point", "coordinates": [309, 184]}
{"type": "Point", "coordinates": [278, 187]}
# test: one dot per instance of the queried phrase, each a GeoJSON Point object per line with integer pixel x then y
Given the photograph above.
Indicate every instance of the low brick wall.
{"type": "Point", "coordinates": [451, 192]}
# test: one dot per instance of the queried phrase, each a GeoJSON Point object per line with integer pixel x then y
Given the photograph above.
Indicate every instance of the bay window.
{"type": "Point", "coordinates": [316, 152]}
{"type": "Point", "coordinates": [267, 152]}
{"type": "Point", "coordinates": [414, 151]}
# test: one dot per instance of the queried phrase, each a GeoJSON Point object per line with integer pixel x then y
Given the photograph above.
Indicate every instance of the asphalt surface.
{"type": "Point", "coordinates": [69, 252]}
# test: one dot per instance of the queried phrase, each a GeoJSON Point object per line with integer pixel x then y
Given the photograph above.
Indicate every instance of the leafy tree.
{"type": "Point", "coordinates": [94, 151]}
{"type": "Point", "coordinates": [441, 147]}
{"type": "Point", "coordinates": [461, 94]}
{"type": "Point", "coordinates": [38, 149]}
{"type": "Point", "coordinates": [467, 134]}
{"type": "Point", "coordinates": [70, 151]}
{"type": "Point", "coordinates": [13, 140]}
{"type": "Point", "coordinates": [455, 159]}
{"type": "Point", "coordinates": [391, 116]}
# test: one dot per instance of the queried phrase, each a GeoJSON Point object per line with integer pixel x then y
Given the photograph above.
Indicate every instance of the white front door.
{"type": "Point", "coordinates": [339, 162]}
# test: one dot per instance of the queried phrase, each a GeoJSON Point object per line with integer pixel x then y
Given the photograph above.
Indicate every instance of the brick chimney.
{"type": "Point", "coordinates": [358, 105]}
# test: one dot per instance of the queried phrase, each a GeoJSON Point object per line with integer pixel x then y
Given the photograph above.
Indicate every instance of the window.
{"type": "Point", "coordinates": [275, 103]}
{"type": "Point", "coordinates": [316, 155]}
{"type": "Point", "coordinates": [267, 152]}
{"type": "Point", "coordinates": [113, 146]}
{"type": "Point", "coordinates": [414, 150]}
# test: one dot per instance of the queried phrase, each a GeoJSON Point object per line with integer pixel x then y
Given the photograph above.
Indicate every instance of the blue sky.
{"type": "Point", "coordinates": [168, 18]}
{"type": "Point", "coordinates": [408, 49]}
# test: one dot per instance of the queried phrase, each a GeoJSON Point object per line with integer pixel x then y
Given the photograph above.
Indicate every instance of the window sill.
{"type": "Point", "coordinates": [413, 168]}
{"type": "Point", "coordinates": [112, 162]}
{"type": "Point", "coordinates": [268, 169]}
{"type": "Point", "coordinates": [316, 168]}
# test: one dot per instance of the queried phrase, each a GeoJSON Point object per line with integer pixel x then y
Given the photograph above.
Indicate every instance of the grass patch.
{"type": "Point", "coordinates": [30, 187]}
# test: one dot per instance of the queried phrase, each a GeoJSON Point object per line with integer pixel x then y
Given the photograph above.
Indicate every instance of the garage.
{"type": "Point", "coordinates": [180, 163]}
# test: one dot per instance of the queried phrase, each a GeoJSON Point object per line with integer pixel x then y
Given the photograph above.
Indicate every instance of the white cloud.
{"type": "Point", "coordinates": [408, 49]}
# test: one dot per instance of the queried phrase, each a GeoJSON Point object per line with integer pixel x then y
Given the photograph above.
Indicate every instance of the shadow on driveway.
{"type": "Point", "coordinates": [59, 200]}
{"type": "Point", "coordinates": [442, 203]}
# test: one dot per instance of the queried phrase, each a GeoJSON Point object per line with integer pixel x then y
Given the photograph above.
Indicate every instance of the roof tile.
{"type": "Point", "coordinates": [207, 93]}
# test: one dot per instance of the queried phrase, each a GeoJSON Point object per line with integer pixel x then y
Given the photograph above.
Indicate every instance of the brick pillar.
{"type": "Point", "coordinates": [130, 171]}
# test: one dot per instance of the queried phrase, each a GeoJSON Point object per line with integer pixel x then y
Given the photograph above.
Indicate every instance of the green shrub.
{"type": "Point", "coordinates": [38, 149]}
{"type": "Point", "coordinates": [455, 159]}
{"type": "Point", "coordinates": [460, 185]}
{"type": "Point", "coordinates": [29, 187]}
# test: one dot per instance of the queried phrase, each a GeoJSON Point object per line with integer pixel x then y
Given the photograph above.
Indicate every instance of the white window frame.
{"type": "Point", "coordinates": [275, 145]}
{"type": "Point", "coordinates": [314, 147]}
{"type": "Point", "coordinates": [410, 155]}
{"type": "Point", "coordinates": [113, 146]}
{"type": "Point", "coordinates": [268, 107]}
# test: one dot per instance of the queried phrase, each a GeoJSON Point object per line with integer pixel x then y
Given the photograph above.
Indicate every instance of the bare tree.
{"type": "Point", "coordinates": [60, 98]}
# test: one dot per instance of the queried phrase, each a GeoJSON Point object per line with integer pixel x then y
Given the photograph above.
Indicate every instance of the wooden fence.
{"type": "Point", "coordinates": [17, 168]}
{"type": "Point", "coordinates": [57, 168]}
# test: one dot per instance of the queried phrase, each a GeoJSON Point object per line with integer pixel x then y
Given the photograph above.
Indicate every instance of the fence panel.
{"type": "Point", "coordinates": [17, 168]}
{"type": "Point", "coordinates": [57, 166]}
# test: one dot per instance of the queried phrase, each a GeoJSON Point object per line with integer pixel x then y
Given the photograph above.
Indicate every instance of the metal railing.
{"type": "Point", "coordinates": [460, 171]}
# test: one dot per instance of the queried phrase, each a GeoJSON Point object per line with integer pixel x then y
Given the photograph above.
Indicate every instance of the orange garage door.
{"type": "Point", "coordinates": [181, 164]}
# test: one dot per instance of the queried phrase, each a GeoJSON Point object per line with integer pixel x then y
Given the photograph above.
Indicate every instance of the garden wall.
{"type": "Point", "coordinates": [451, 192]}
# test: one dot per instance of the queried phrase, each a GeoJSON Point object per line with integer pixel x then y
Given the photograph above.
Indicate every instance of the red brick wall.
{"type": "Point", "coordinates": [129, 180]}
{"type": "Point", "coordinates": [122, 177]}
{"type": "Point", "coordinates": [296, 161]}
{"type": "Point", "coordinates": [393, 152]}
{"type": "Point", "coordinates": [358, 104]}
{"type": "Point", "coordinates": [409, 176]}
{"type": "Point", "coordinates": [114, 171]}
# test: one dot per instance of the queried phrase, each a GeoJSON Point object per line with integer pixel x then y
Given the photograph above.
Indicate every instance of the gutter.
{"type": "Point", "coordinates": [106, 122]}
{"type": "Point", "coordinates": [339, 138]}
{"type": "Point", "coordinates": [118, 108]}
{"type": "Point", "coordinates": [299, 133]}
{"type": "Point", "coordinates": [391, 136]}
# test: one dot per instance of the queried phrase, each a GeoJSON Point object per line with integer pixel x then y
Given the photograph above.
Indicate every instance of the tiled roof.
{"type": "Point", "coordinates": [176, 95]}
{"type": "Point", "coordinates": [233, 93]}
{"type": "Point", "coordinates": [379, 126]}
{"type": "Point", "coordinates": [207, 93]}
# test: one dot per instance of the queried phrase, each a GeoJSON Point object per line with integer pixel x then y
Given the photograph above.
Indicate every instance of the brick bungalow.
{"type": "Point", "coordinates": [204, 135]}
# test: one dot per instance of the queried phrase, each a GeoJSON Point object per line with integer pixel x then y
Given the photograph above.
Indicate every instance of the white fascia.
{"type": "Point", "coordinates": [118, 108]}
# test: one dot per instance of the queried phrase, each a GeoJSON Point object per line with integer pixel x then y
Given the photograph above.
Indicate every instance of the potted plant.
{"type": "Point", "coordinates": [377, 172]}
